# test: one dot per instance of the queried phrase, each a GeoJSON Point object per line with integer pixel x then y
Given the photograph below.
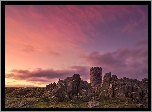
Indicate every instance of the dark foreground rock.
{"type": "Point", "coordinates": [73, 89]}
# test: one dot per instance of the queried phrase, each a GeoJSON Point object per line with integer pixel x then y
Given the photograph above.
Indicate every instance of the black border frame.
{"type": "Point", "coordinates": [3, 3]}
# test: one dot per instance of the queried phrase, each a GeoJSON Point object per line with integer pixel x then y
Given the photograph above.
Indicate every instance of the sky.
{"type": "Point", "coordinates": [45, 43]}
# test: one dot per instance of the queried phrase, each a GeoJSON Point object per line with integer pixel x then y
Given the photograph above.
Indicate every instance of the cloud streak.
{"type": "Point", "coordinates": [55, 35]}
{"type": "Point", "coordinates": [66, 24]}
{"type": "Point", "coordinates": [29, 48]}
{"type": "Point", "coordinates": [47, 75]}
{"type": "Point", "coordinates": [51, 52]}
{"type": "Point", "coordinates": [143, 42]}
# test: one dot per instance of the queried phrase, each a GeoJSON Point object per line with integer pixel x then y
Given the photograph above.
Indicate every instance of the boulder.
{"type": "Point", "coordinates": [135, 96]}
{"type": "Point", "coordinates": [76, 83]}
{"type": "Point", "coordinates": [139, 105]}
{"type": "Point", "coordinates": [114, 78]}
{"type": "Point", "coordinates": [92, 104]}
{"type": "Point", "coordinates": [72, 88]}
{"type": "Point", "coordinates": [105, 84]}
{"type": "Point", "coordinates": [107, 77]}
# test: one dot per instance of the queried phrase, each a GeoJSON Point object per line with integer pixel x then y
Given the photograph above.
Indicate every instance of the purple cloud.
{"type": "Point", "coordinates": [45, 76]}
{"type": "Point", "coordinates": [124, 62]}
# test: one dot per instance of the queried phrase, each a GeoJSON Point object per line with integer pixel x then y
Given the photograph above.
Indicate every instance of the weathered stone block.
{"type": "Point", "coordinates": [95, 76]}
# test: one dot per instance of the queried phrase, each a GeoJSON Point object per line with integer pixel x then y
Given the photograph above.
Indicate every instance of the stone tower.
{"type": "Point", "coordinates": [95, 76]}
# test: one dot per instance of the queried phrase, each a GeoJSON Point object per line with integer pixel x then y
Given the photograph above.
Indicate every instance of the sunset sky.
{"type": "Point", "coordinates": [45, 43]}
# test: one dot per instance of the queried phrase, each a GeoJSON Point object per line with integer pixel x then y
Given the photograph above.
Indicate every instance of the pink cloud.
{"type": "Point", "coordinates": [29, 48]}
{"type": "Point", "coordinates": [44, 76]}
{"type": "Point", "coordinates": [52, 52]}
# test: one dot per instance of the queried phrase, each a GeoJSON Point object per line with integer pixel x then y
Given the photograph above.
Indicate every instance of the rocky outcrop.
{"type": "Point", "coordinates": [95, 76]}
{"type": "Point", "coordinates": [74, 89]}
{"type": "Point", "coordinates": [124, 87]}
{"type": "Point", "coordinates": [106, 85]}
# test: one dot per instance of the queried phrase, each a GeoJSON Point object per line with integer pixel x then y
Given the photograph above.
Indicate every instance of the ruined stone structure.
{"type": "Point", "coordinates": [74, 89]}
{"type": "Point", "coordinates": [95, 76]}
